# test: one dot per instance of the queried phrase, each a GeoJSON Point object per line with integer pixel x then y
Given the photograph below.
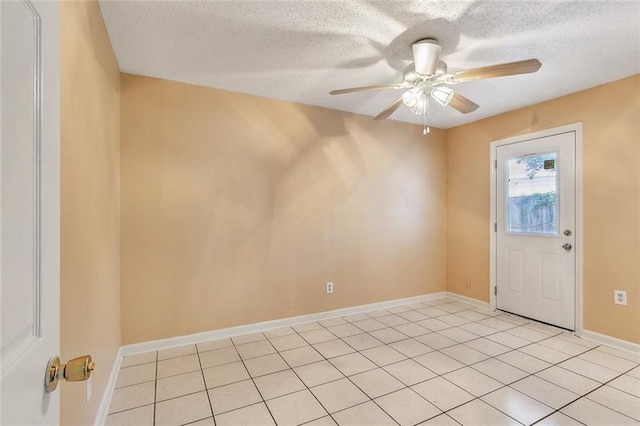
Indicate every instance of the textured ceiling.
{"type": "Point", "coordinates": [299, 50]}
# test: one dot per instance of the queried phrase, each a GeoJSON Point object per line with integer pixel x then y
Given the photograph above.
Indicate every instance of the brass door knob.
{"type": "Point", "coordinates": [76, 370]}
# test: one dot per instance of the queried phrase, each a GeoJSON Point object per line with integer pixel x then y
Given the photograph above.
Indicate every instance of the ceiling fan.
{"type": "Point", "coordinates": [428, 77]}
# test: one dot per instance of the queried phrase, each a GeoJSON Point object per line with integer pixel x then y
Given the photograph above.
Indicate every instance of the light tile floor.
{"type": "Point", "coordinates": [436, 363]}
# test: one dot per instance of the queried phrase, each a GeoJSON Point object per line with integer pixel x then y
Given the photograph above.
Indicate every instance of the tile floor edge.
{"type": "Point", "coordinates": [105, 403]}
{"type": "Point", "coordinates": [172, 342]}
{"type": "Point", "coordinates": [154, 345]}
{"type": "Point", "coordinates": [613, 342]}
{"type": "Point", "coordinates": [590, 335]}
{"type": "Point", "coordinates": [431, 299]}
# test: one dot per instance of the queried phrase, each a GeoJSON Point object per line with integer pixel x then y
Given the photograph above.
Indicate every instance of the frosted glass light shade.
{"type": "Point", "coordinates": [442, 95]}
{"type": "Point", "coordinates": [412, 96]}
{"type": "Point", "coordinates": [416, 99]}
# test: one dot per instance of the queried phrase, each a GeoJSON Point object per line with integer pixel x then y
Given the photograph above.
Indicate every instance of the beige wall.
{"type": "Point", "coordinates": [237, 209]}
{"type": "Point", "coordinates": [90, 156]}
{"type": "Point", "coordinates": [611, 176]}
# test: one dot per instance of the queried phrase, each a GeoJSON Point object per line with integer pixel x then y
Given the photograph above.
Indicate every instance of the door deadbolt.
{"type": "Point", "coordinates": [76, 370]}
{"type": "Point", "coordinates": [566, 246]}
{"type": "Point", "coordinates": [567, 232]}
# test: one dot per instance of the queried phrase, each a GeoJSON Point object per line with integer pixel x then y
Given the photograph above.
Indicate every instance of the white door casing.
{"type": "Point", "coordinates": [30, 236]}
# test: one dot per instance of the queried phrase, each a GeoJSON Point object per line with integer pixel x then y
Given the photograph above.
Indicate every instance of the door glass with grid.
{"type": "Point", "coordinates": [532, 202]}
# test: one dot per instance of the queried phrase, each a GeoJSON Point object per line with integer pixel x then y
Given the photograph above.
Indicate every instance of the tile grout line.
{"type": "Point", "coordinates": [377, 367]}
{"type": "Point", "coordinates": [535, 374]}
{"type": "Point", "coordinates": [509, 384]}
{"type": "Point", "coordinates": [130, 409]}
{"type": "Point", "coordinates": [204, 382]}
{"type": "Point", "coordinates": [584, 396]}
{"type": "Point", "coordinates": [155, 391]}
{"type": "Point", "coordinates": [435, 350]}
{"type": "Point", "coordinates": [348, 377]}
{"type": "Point", "coordinates": [587, 349]}
{"type": "Point", "coordinates": [382, 368]}
{"type": "Point", "coordinates": [264, 401]}
{"type": "Point", "coordinates": [559, 334]}
{"type": "Point", "coordinates": [444, 412]}
{"type": "Point", "coordinates": [356, 385]}
{"type": "Point", "coordinates": [599, 387]}
{"type": "Point", "coordinates": [495, 357]}
{"type": "Point", "coordinates": [327, 360]}
{"type": "Point", "coordinates": [362, 332]}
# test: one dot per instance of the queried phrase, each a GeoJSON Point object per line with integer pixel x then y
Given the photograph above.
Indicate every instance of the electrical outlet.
{"type": "Point", "coordinates": [619, 297]}
{"type": "Point", "coordinates": [468, 284]}
{"type": "Point", "coordinates": [329, 288]}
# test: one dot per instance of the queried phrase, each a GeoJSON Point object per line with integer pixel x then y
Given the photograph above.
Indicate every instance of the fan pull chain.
{"type": "Point", "coordinates": [425, 128]}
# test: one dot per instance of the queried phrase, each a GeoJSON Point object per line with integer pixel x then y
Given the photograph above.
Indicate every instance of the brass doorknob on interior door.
{"type": "Point", "coordinates": [76, 370]}
{"type": "Point", "coordinates": [566, 246]}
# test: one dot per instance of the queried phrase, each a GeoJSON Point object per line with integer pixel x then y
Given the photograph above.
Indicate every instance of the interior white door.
{"type": "Point", "coordinates": [535, 229]}
{"type": "Point", "coordinates": [29, 247]}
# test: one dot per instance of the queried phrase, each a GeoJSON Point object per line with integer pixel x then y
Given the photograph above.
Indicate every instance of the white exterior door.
{"type": "Point", "coordinates": [535, 229]}
{"type": "Point", "coordinates": [30, 242]}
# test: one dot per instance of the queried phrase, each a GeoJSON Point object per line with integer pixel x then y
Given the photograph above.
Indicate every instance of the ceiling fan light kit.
{"type": "Point", "coordinates": [410, 97]}
{"type": "Point", "coordinates": [428, 77]}
{"type": "Point", "coordinates": [442, 95]}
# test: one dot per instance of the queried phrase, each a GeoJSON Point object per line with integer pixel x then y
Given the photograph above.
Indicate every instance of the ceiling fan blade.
{"type": "Point", "coordinates": [390, 109]}
{"type": "Point", "coordinates": [500, 70]}
{"type": "Point", "coordinates": [368, 88]}
{"type": "Point", "coordinates": [462, 104]}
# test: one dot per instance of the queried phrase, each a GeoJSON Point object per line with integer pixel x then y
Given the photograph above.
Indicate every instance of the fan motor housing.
{"type": "Point", "coordinates": [426, 54]}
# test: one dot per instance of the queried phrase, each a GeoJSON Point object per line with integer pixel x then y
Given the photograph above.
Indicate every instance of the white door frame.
{"type": "Point", "coordinates": [577, 129]}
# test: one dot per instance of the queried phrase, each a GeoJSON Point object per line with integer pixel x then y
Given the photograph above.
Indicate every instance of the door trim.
{"type": "Point", "coordinates": [577, 129]}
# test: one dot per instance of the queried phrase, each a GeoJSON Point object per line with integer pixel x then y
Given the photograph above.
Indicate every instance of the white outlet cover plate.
{"type": "Point", "coordinates": [620, 297]}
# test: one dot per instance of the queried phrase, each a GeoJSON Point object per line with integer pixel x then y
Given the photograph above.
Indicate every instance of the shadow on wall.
{"type": "Point", "coordinates": [237, 210]}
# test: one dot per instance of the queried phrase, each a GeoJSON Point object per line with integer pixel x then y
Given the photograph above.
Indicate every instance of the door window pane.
{"type": "Point", "coordinates": [532, 206]}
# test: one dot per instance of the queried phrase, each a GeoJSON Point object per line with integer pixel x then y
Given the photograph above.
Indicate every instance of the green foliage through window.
{"type": "Point", "coordinates": [534, 164]}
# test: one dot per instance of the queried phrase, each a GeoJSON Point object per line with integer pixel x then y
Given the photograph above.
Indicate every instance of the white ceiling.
{"type": "Point", "coordinates": [300, 50]}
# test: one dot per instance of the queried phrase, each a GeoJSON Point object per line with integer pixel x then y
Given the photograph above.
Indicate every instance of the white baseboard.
{"type": "Point", "coordinates": [155, 345]}
{"type": "Point", "coordinates": [105, 402]}
{"type": "Point", "coordinates": [467, 299]}
{"type": "Point", "coordinates": [206, 336]}
{"type": "Point", "coordinates": [614, 342]}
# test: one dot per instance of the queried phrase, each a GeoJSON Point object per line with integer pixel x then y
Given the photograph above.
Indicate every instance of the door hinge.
{"type": "Point", "coordinates": [495, 290]}
{"type": "Point", "coordinates": [495, 226]}
{"type": "Point", "coordinates": [495, 164]}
